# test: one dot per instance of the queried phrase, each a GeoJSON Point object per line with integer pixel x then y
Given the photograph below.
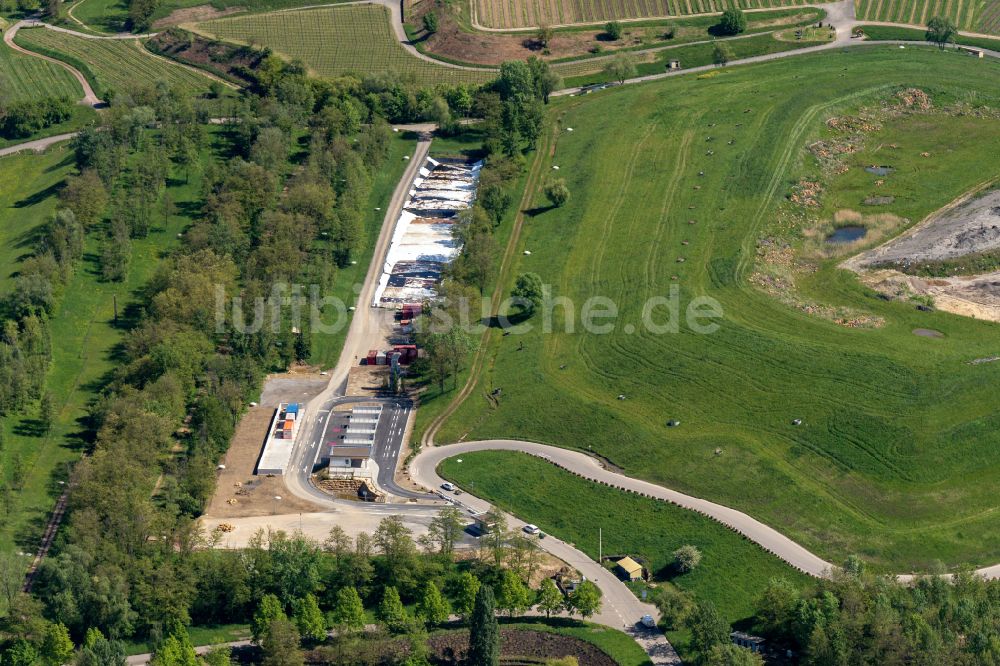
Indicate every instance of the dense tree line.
{"type": "Point", "coordinates": [24, 118]}
{"type": "Point", "coordinates": [284, 205]}
{"type": "Point", "coordinates": [855, 618]}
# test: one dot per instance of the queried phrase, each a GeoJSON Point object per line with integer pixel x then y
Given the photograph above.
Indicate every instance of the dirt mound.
{"type": "Point", "coordinates": [968, 227]}
{"type": "Point", "coordinates": [451, 648]}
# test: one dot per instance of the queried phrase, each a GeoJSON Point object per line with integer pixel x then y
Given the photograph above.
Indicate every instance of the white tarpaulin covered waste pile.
{"type": "Point", "coordinates": [422, 242]}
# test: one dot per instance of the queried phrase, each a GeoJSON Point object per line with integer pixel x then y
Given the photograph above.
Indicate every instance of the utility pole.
{"type": "Point", "coordinates": [600, 546]}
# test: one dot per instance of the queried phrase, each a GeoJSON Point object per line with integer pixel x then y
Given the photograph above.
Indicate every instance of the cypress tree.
{"type": "Point", "coordinates": [484, 633]}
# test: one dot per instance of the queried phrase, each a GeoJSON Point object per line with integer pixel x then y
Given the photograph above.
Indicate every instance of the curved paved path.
{"type": "Point", "coordinates": [620, 608]}
{"type": "Point", "coordinates": [38, 145]}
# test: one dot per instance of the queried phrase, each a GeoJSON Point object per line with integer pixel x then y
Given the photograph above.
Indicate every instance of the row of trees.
{"type": "Point", "coordinates": [297, 590]}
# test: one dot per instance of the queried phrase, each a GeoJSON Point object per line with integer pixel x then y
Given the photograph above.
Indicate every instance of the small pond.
{"type": "Point", "coordinates": [880, 170]}
{"type": "Point", "coordinates": [847, 234]}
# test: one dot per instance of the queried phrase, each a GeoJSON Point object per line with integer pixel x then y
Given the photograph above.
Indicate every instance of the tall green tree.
{"type": "Point", "coordinates": [733, 21]}
{"type": "Point", "coordinates": [391, 612]}
{"type": "Point", "coordinates": [348, 613]}
{"type": "Point", "coordinates": [445, 529]}
{"type": "Point", "coordinates": [941, 31]}
{"type": "Point", "coordinates": [484, 631]}
{"type": "Point", "coordinates": [550, 600]}
{"type": "Point", "coordinates": [621, 67]}
{"type": "Point", "coordinates": [585, 599]}
{"type": "Point", "coordinates": [280, 644]}
{"type": "Point", "coordinates": [308, 618]}
{"type": "Point", "coordinates": [512, 595]}
{"type": "Point", "coordinates": [269, 609]}
{"type": "Point", "coordinates": [708, 630]}
{"type": "Point", "coordinates": [433, 608]}
{"type": "Point", "coordinates": [527, 292]}
{"type": "Point", "coordinates": [466, 590]}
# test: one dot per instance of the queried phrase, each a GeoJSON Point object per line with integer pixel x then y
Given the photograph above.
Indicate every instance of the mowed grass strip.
{"type": "Point", "coordinates": [333, 41]}
{"type": "Point", "coordinates": [23, 77]}
{"type": "Point", "coordinates": [674, 184]}
{"type": "Point", "coordinates": [119, 65]}
{"type": "Point", "coordinates": [733, 570]}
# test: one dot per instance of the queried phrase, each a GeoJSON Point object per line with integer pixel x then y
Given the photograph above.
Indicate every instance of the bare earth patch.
{"type": "Point", "coordinates": [969, 225]}
{"type": "Point", "coordinates": [195, 14]}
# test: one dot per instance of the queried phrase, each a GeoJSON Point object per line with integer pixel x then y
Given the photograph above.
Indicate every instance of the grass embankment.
{"type": "Point", "coordinates": [117, 65]}
{"type": "Point", "coordinates": [83, 332]}
{"type": "Point", "coordinates": [332, 41]}
{"type": "Point", "coordinates": [733, 570]}
{"type": "Point", "coordinates": [326, 348]}
{"type": "Point", "coordinates": [583, 72]}
{"type": "Point", "coordinates": [454, 38]}
{"type": "Point", "coordinates": [898, 452]}
{"type": "Point", "coordinates": [890, 32]}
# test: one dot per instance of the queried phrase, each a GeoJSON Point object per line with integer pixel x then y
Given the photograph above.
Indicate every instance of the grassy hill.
{"type": "Point", "coordinates": [337, 40]}
{"type": "Point", "coordinates": [897, 454]}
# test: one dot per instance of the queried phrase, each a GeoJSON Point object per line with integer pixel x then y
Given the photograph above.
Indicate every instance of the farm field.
{"type": "Point", "coordinates": [969, 15]}
{"type": "Point", "coordinates": [732, 573]}
{"type": "Point", "coordinates": [111, 15]}
{"type": "Point", "coordinates": [83, 334]}
{"type": "Point", "coordinates": [23, 77]}
{"type": "Point", "coordinates": [333, 41]}
{"type": "Point", "coordinates": [896, 457]}
{"type": "Point", "coordinates": [117, 65]}
{"type": "Point", "coordinates": [530, 13]}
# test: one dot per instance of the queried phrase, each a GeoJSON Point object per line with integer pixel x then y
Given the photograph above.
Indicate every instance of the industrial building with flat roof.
{"type": "Point", "coordinates": [277, 451]}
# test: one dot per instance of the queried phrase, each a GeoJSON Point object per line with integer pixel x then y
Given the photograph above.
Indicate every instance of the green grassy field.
{"type": "Point", "coordinates": [971, 15]}
{"type": "Point", "coordinates": [896, 459]}
{"type": "Point", "coordinates": [732, 572]}
{"type": "Point", "coordinates": [337, 40]}
{"type": "Point", "coordinates": [23, 77]}
{"type": "Point", "coordinates": [82, 331]}
{"type": "Point", "coordinates": [117, 65]}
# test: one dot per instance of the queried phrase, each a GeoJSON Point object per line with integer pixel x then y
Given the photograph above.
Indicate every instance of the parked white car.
{"type": "Point", "coordinates": [448, 486]}
{"type": "Point", "coordinates": [531, 529]}
{"type": "Point", "coordinates": [648, 621]}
